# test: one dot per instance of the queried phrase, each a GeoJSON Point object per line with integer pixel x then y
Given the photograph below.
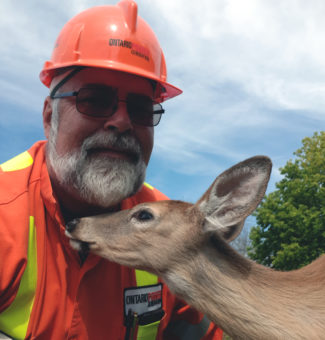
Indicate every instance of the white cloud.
{"type": "Point", "coordinates": [242, 65]}
{"type": "Point", "coordinates": [272, 49]}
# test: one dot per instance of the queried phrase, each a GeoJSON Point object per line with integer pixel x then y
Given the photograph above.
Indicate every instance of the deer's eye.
{"type": "Point", "coordinates": [143, 215]}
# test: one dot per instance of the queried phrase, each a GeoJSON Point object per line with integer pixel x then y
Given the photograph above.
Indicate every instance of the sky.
{"type": "Point", "coordinates": [252, 72]}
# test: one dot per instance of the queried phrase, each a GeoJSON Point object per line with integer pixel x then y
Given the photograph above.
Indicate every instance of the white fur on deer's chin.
{"type": "Point", "coordinates": [75, 244]}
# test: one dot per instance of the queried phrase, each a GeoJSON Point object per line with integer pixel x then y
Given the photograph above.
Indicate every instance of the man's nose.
{"type": "Point", "coordinates": [120, 120]}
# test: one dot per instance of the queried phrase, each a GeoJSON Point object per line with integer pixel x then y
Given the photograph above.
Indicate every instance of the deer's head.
{"type": "Point", "coordinates": [155, 236]}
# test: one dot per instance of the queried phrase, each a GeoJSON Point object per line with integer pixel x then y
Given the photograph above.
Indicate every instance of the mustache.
{"type": "Point", "coordinates": [119, 142]}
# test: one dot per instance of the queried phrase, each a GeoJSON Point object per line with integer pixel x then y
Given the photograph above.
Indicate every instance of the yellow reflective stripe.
{"type": "Point", "coordinates": [146, 332]}
{"type": "Point", "coordinates": [148, 185]}
{"type": "Point", "coordinates": [22, 161]}
{"type": "Point", "coordinates": [144, 278]}
{"type": "Point", "coordinates": [14, 320]}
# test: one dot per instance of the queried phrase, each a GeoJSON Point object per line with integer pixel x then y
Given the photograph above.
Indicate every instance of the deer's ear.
{"type": "Point", "coordinates": [234, 195]}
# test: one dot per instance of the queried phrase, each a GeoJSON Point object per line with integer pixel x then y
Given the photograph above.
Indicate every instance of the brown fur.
{"type": "Point", "coordinates": [187, 246]}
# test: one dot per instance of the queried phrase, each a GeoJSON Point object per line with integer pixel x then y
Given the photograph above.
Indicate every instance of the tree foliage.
{"type": "Point", "coordinates": [290, 230]}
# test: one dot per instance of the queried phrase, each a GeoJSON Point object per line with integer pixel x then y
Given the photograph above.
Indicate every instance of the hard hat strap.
{"type": "Point", "coordinates": [64, 80]}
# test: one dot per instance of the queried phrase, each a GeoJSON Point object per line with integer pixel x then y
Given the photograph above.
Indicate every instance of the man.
{"type": "Point", "coordinates": [107, 78]}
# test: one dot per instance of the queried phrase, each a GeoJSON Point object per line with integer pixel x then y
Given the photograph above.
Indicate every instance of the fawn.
{"type": "Point", "coordinates": [187, 246]}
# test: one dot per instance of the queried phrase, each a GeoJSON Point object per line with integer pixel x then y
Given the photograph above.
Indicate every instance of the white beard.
{"type": "Point", "coordinates": [99, 181]}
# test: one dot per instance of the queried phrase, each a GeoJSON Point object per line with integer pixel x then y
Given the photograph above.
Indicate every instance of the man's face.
{"type": "Point", "coordinates": [103, 160]}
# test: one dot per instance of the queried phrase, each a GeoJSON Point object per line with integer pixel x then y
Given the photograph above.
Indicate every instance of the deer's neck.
{"type": "Point", "coordinates": [247, 300]}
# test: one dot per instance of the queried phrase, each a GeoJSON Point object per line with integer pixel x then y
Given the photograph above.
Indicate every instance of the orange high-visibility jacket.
{"type": "Point", "coordinates": [45, 293]}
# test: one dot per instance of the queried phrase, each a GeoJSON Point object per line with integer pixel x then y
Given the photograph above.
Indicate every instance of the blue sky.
{"type": "Point", "coordinates": [252, 73]}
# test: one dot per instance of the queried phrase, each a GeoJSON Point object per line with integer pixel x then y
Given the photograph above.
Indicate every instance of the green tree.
{"type": "Point", "coordinates": [290, 230]}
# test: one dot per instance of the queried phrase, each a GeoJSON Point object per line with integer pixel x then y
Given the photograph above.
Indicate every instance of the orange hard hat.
{"type": "Point", "coordinates": [112, 37]}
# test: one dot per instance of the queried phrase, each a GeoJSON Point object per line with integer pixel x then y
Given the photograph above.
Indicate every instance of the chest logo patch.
{"type": "Point", "coordinates": [141, 300]}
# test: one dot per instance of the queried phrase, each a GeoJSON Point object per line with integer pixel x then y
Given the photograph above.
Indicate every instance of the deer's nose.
{"type": "Point", "coordinates": [70, 226]}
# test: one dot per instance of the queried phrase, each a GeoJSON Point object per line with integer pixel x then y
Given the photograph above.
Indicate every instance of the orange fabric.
{"type": "Point", "coordinates": [72, 301]}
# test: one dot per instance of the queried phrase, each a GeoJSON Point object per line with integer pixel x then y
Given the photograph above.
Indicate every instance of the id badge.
{"type": "Point", "coordinates": [143, 300]}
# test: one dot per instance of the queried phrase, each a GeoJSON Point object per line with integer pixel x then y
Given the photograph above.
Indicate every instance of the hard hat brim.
{"type": "Point", "coordinates": [50, 71]}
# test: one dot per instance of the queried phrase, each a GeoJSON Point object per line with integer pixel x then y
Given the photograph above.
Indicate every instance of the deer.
{"type": "Point", "coordinates": [187, 245]}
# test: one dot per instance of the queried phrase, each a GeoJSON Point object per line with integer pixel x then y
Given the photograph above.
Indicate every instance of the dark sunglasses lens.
{"type": "Point", "coordinates": [141, 110]}
{"type": "Point", "coordinates": [96, 102]}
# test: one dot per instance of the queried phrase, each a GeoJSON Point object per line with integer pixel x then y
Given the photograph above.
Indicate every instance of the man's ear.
{"type": "Point", "coordinates": [47, 116]}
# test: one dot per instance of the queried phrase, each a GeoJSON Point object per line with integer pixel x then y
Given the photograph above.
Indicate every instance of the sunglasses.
{"type": "Point", "coordinates": [102, 102]}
